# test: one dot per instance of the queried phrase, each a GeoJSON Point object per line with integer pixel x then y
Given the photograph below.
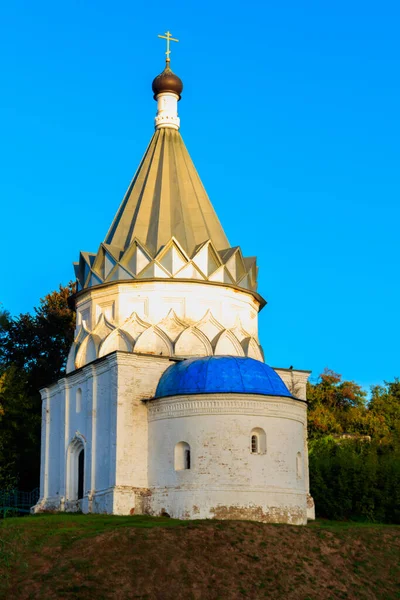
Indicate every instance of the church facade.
{"type": "Point", "coordinates": [167, 405]}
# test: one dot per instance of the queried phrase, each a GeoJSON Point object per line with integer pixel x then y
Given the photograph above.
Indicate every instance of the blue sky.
{"type": "Point", "coordinates": [291, 114]}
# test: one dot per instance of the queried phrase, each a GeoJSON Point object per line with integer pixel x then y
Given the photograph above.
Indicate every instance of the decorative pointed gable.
{"type": "Point", "coordinates": [135, 259]}
{"type": "Point", "coordinates": [235, 265]}
{"type": "Point", "coordinates": [172, 257]}
{"type": "Point", "coordinates": [206, 259]}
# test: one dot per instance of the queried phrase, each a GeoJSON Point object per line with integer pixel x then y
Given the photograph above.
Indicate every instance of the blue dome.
{"type": "Point", "coordinates": [216, 374]}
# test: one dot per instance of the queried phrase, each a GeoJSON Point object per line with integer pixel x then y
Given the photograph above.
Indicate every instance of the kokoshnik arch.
{"type": "Point", "coordinates": [167, 405]}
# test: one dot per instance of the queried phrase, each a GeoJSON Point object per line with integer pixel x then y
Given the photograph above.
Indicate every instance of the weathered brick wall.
{"type": "Point", "coordinates": [225, 478]}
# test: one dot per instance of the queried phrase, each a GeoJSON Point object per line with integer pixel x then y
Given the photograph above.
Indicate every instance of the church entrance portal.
{"type": "Point", "coordinates": [81, 462]}
{"type": "Point", "coordinates": [75, 488]}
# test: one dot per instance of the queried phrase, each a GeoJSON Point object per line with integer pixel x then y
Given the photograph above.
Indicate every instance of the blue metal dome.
{"type": "Point", "coordinates": [216, 374]}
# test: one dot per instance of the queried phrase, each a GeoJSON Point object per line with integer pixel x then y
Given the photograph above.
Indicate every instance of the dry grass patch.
{"type": "Point", "coordinates": [96, 557]}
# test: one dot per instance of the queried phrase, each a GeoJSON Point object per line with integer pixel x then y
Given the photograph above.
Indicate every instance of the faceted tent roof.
{"type": "Point", "coordinates": [166, 199]}
{"type": "Point", "coordinates": [166, 227]}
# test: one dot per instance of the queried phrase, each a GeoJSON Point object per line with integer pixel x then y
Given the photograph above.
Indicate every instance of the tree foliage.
{"type": "Point", "coordinates": [385, 401]}
{"type": "Point", "coordinates": [33, 353]}
{"type": "Point", "coordinates": [354, 449]}
{"type": "Point", "coordinates": [337, 407]}
{"type": "Point", "coordinates": [356, 479]}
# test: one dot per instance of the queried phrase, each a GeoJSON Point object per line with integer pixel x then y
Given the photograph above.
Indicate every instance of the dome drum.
{"type": "Point", "coordinates": [216, 426]}
{"type": "Point", "coordinates": [228, 456]}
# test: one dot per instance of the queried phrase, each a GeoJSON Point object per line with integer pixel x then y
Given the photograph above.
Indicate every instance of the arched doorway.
{"type": "Point", "coordinates": [75, 484]}
{"type": "Point", "coordinates": [81, 473]}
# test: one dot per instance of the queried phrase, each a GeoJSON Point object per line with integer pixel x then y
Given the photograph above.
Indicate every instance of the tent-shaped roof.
{"type": "Point", "coordinates": [166, 199]}
{"type": "Point", "coordinates": [166, 226]}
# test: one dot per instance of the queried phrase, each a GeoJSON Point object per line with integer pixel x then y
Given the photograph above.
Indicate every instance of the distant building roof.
{"type": "Point", "coordinates": [221, 374]}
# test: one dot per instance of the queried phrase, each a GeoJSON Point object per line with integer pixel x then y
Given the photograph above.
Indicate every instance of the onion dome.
{"type": "Point", "coordinates": [167, 81]}
{"type": "Point", "coordinates": [221, 374]}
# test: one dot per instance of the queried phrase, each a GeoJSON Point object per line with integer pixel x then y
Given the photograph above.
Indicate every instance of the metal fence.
{"type": "Point", "coordinates": [14, 502]}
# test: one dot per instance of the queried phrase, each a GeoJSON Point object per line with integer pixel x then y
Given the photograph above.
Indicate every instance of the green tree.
{"type": "Point", "coordinates": [356, 477]}
{"type": "Point", "coordinates": [331, 391]}
{"type": "Point", "coordinates": [39, 344]}
{"type": "Point", "coordinates": [335, 406]}
{"type": "Point", "coordinates": [19, 425]}
{"type": "Point", "coordinates": [385, 401]}
{"type": "Point", "coordinates": [34, 350]}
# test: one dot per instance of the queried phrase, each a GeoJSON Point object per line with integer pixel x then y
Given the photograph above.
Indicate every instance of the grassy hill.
{"type": "Point", "coordinates": [100, 557]}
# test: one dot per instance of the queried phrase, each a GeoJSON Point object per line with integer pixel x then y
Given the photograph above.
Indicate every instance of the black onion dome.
{"type": "Point", "coordinates": [167, 81]}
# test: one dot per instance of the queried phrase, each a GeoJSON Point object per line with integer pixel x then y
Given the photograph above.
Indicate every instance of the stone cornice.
{"type": "Point", "coordinates": [98, 367]}
{"type": "Point", "coordinates": [210, 404]}
{"type": "Point", "coordinates": [302, 371]}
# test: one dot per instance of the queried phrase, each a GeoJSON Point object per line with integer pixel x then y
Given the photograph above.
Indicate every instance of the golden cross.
{"type": "Point", "coordinates": [169, 39]}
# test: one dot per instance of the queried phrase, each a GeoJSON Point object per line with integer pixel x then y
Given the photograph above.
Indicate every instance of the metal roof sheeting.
{"type": "Point", "coordinates": [221, 374]}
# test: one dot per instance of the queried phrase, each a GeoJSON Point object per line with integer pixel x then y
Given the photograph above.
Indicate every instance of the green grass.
{"type": "Point", "coordinates": [91, 522]}
{"type": "Point", "coordinates": [23, 535]}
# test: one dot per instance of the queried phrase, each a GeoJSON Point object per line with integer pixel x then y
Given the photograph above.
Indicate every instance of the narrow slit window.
{"type": "Point", "coordinates": [254, 444]}
{"type": "Point", "coordinates": [187, 459]}
{"type": "Point", "coordinates": [299, 465]}
{"type": "Point", "coordinates": [78, 400]}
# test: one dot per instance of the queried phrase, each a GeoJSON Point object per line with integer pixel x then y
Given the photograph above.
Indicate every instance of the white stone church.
{"type": "Point", "coordinates": [167, 406]}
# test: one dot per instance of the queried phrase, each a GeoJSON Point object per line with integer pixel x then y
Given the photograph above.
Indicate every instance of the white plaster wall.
{"type": "Point", "coordinates": [62, 424]}
{"type": "Point", "coordinates": [54, 407]}
{"type": "Point", "coordinates": [168, 318]}
{"type": "Point", "coordinates": [295, 381]}
{"type": "Point", "coordinates": [138, 377]}
{"type": "Point", "coordinates": [225, 479]}
{"type": "Point", "coordinates": [153, 300]}
{"type": "Point", "coordinates": [112, 425]}
{"type": "Point", "coordinates": [105, 449]}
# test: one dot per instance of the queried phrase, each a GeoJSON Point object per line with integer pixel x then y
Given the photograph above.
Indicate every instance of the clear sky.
{"type": "Point", "coordinates": [290, 111]}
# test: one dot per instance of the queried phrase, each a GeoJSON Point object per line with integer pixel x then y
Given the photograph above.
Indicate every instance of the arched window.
{"type": "Point", "coordinates": [78, 400]}
{"type": "Point", "coordinates": [258, 441]}
{"type": "Point", "coordinates": [299, 466]}
{"type": "Point", "coordinates": [75, 488]}
{"type": "Point", "coordinates": [182, 456]}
